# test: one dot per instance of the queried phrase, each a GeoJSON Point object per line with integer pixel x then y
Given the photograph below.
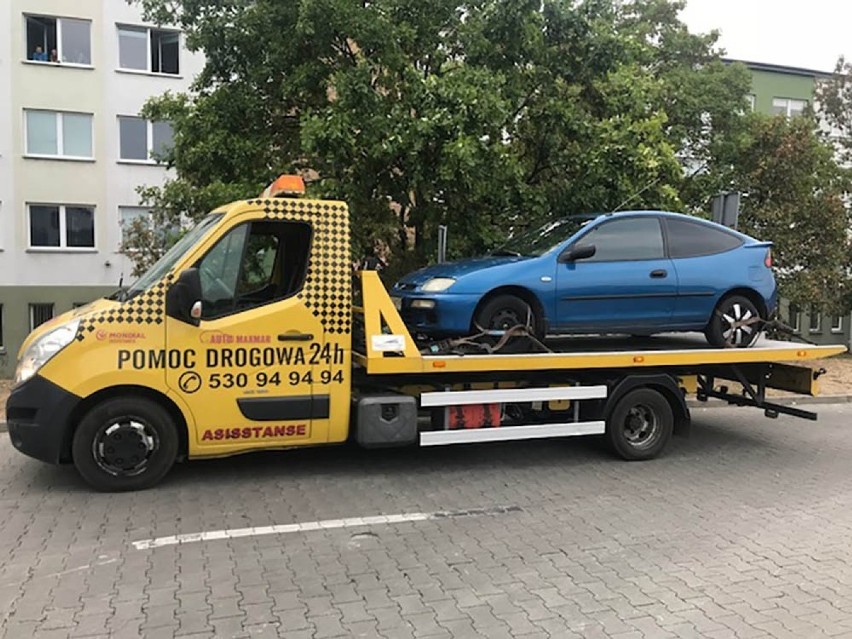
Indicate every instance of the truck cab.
{"type": "Point", "coordinates": [238, 339]}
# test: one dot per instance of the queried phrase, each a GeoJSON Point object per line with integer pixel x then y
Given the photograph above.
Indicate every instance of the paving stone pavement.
{"type": "Point", "coordinates": [743, 530]}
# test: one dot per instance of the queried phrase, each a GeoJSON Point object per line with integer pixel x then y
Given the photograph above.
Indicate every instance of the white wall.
{"type": "Point", "coordinates": [124, 94]}
{"type": "Point", "coordinates": [104, 183]}
{"type": "Point", "coordinates": [6, 182]}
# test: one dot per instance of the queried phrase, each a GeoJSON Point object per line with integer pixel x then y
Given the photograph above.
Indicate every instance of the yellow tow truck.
{"type": "Point", "coordinates": [253, 333]}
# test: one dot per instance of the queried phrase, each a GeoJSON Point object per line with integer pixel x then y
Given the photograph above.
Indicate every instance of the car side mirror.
{"type": "Point", "coordinates": [577, 253]}
{"type": "Point", "coordinates": [183, 299]}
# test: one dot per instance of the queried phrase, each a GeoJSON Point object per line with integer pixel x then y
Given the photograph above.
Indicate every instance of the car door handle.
{"type": "Point", "coordinates": [659, 273]}
{"type": "Point", "coordinates": [296, 337]}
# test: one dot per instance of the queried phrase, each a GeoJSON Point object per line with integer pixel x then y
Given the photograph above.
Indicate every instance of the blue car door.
{"type": "Point", "coordinates": [628, 284]}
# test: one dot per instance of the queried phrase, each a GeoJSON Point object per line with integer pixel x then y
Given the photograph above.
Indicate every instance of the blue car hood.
{"type": "Point", "coordinates": [457, 269]}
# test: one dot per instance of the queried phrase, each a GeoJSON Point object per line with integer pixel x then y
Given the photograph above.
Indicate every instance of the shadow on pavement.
{"type": "Point", "coordinates": [709, 438]}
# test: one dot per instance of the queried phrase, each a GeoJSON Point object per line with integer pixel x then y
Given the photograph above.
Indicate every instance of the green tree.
{"type": "Point", "coordinates": [834, 97]}
{"type": "Point", "coordinates": [794, 195]}
{"type": "Point", "coordinates": [488, 115]}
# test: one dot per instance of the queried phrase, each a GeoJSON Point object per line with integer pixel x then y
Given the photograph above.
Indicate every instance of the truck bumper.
{"type": "Point", "coordinates": [38, 415]}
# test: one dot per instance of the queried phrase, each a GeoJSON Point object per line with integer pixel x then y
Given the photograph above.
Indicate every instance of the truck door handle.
{"type": "Point", "coordinates": [296, 337]}
{"type": "Point", "coordinates": [659, 273]}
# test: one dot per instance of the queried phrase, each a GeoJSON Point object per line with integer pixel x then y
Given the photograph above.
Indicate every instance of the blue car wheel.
{"type": "Point", "coordinates": [735, 323]}
{"type": "Point", "coordinates": [504, 312]}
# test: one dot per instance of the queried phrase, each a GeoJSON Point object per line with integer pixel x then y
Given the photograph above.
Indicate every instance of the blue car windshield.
{"type": "Point", "coordinates": [539, 241]}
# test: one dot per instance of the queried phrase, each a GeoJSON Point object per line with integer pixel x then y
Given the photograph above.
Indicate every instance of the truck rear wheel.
{"type": "Point", "coordinates": [640, 425]}
{"type": "Point", "coordinates": [125, 443]}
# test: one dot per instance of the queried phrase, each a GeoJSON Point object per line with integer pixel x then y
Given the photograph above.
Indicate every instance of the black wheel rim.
{"type": "Point", "coordinates": [736, 327]}
{"type": "Point", "coordinates": [641, 427]}
{"type": "Point", "coordinates": [504, 319]}
{"type": "Point", "coordinates": [124, 446]}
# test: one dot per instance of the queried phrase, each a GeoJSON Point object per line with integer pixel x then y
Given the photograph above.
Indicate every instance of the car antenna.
{"type": "Point", "coordinates": [635, 195]}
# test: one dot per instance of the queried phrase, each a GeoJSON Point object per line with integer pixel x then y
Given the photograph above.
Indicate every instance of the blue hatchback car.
{"type": "Point", "coordinates": [637, 272]}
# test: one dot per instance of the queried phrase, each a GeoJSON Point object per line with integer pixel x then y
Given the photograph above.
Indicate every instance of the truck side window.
{"type": "Point", "coordinates": [219, 270]}
{"type": "Point", "coordinates": [253, 265]}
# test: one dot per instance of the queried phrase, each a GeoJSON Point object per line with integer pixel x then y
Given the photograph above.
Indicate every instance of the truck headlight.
{"type": "Point", "coordinates": [40, 351]}
{"type": "Point", "coordinates": [438, 284]}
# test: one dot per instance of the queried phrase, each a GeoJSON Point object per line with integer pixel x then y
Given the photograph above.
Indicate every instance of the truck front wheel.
{"type": "Point", "coordinates": [640, 425]}
{"type": "Point", "coordinates": [125, 443]}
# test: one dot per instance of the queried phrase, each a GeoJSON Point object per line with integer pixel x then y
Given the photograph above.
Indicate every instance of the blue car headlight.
{"type": "Point", "coordinates": [438, 284]}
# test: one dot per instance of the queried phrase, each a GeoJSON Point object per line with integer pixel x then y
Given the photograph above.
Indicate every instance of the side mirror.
{"type": "Point", "coordinates": [575, 253]}
{"type": "Point", "coordinates": [183, 299]}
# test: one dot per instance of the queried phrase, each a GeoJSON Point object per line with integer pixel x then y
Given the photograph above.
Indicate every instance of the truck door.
{"type": "Point", "coordinates": [261, 364]}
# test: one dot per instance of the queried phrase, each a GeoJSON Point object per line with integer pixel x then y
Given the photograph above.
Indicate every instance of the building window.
{"type": "Point", "coordinates": [58, 134]}
{"type": "Point", "coordinates": [150, 50]}
{"type": "Point", "coordinates": [837, 324]}
{"type": "Point", "coordinates": [793, 317]}
{"type": "Point", "coordinates": [751, 100]}
{"type": "Point", "coordinates": [65, 40]}
{"type": "Point", "coordinates": [61, 226]}
{"type": "Point", "coordinates": [815, 321]}
{"type": "Point", "coordinates": [141, 140]}
{"type": "Point", "coordinates": [39, 314]}
{"type": "Point", "coordinates": [789, 107]}
{"type": "Point", "coordinates": [127, 215]}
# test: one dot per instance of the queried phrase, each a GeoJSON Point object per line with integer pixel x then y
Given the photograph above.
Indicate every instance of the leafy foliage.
{"type": "Point", "coordinates": [834, 97]}
{"type": "Point", "coordinates": [489, 116]}
{"type": "Point", "coordinates": [794, 195]}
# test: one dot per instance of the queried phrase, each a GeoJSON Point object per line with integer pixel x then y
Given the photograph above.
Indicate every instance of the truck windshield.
{"type": "Point", "coordinates": [539, 241]}
{"type": "Point", "coordinates": [167, 262]}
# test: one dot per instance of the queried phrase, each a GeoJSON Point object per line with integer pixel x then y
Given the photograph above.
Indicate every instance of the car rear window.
{"type": "Point", "coordinates": [693, 239]}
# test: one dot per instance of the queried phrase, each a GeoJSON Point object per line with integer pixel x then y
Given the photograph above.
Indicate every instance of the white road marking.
{"type": "Point", "coordinates": [79, 568]}
{"type": "Point", "coordinates": [326, 524]}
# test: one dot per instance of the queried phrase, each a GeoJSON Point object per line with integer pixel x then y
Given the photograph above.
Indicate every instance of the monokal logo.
{"type": "Point", "coordinates": [118, 337]}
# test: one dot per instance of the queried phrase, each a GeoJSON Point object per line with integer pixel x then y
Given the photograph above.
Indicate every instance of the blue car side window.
{"type": "Point", "coordinates": [693, 239]}
{"type": "Point", "coordinates": [638, 238]}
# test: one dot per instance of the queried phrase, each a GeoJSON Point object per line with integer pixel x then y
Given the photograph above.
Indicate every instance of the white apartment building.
{"type": "Point", "coordinates": [73, 151]}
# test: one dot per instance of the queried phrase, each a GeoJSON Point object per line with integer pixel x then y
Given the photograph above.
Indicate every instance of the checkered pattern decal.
{"type": "Point", "coordinates": [328, 286]}
{"type": "Point", "coordinates": [147, 308]}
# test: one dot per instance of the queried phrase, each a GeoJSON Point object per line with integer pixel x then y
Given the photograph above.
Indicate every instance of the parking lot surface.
{"type": "Point", "coordinates": [742, 530]}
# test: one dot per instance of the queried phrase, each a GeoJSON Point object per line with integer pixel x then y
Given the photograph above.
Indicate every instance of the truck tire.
{"type": "Point", "coordinates": [125, 443]}
{"type": "Point", "coordinates": [734, 308]}
{"type": "Point", "coordinates": [640, 425]}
